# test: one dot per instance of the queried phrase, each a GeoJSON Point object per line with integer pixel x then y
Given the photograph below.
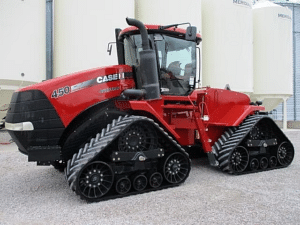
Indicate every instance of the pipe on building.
{"type": "Point", "coordinates": [49, 39]}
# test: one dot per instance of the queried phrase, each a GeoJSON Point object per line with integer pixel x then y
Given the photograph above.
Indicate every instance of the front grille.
{"type": "Point", "coordinates": [33, 106]}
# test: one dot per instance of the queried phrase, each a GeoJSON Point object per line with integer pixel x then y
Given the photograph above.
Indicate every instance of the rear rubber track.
{"type": "Point", "coordinates": [235, 137]}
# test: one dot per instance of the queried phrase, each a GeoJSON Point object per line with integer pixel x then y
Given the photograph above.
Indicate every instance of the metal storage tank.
{"type": "Point", "coordinates": [227, 44]}
{"type": "Point", "coordinates": [23, 52]}
{"type": "Point", "coordinates": [170, 12]}
{"type": "Point", "coordinates": [273, 70]}
{"type": "Point", "coordinates": [82, 31]}
{"type": "Point", "coordinates": [293, 103]}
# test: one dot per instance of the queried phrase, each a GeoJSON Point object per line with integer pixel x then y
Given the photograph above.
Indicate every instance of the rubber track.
{"type": "Point", "coordinates": [98, 144]}
{"type": "Point", "coordinates": [231, 139]}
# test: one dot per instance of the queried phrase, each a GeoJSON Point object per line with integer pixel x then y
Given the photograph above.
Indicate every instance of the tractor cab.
{"type": "Point", "coordinates": [174, 52]}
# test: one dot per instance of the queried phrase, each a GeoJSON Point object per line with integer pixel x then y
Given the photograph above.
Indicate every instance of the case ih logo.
{"type": "Point", "coordinates": [111, 77]}
{"type": "Point", "coordinates": [89, 83]}
{"type": "Point", "coordinates": [242, 2]}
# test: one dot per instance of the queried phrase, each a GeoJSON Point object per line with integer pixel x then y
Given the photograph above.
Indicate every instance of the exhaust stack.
{"type": "Point", "coordinates": [148, 63]}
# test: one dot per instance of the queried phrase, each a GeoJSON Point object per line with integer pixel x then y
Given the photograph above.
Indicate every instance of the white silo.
{"type": "Point", "coordinates": [168, 12]}
{"type": "Point", "coordinates": [23, 52]}
{"type": "Point", "coordinates": [273, 54]}
{"type": "Point", "coordinates": [82, 31]}
{"type": "Point", "coordinates": [293, 103]}
{"type": "Point", "coordinates": [228, 44]}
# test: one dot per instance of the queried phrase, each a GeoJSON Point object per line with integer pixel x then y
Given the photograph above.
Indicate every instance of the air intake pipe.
{"type": "Point", "coordinates": [147, 69]}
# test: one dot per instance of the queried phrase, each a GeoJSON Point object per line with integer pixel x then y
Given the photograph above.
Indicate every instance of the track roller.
{"type": "Point", "coordinates": [272, 162]}
{"type": "Point", "coordinates": [254, 164]}
{"type": "Point", "coordinates": [123, 185]}
{"type": "Point", "coordinates": [264, 163]}
{"type": "Point", "coordinates": [139, 182]}
{"type": "Point", "coordinates": [155, 180]}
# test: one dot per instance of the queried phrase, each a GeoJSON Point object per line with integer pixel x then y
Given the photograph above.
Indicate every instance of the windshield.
{"type": "Point", "coordinates": [176, 62]}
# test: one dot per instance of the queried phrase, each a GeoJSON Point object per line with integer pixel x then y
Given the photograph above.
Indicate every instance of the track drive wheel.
{"type": "Point", "coordinates": [123, 185]}
{"type": "Point", "coordinates": [239, 159]}
{"type": "Point", "coordinates": [285, 154]}
{"type": "Point", "coordinates": [138, 137]}
{"type": "Point", "coordinates": [176, 168]}
{"type": "Point", "coordinates": [95, 180]}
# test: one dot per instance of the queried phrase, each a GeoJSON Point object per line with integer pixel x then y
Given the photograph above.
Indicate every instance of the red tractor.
{"type": "Point", "coordinates": [126, 129]}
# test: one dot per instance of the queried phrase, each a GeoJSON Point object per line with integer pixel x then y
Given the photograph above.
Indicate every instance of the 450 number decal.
{"type": "Point", "coordinates": [60, 92]}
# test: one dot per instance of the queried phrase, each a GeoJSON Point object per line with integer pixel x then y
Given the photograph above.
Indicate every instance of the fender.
{"type": "Point", "coordinates": [86, 125]}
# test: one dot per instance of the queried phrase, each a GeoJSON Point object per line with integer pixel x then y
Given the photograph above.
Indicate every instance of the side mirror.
{"type": "Point", "coordinates": [109, 47]}
{"type": "Point", "coordinates": [191, 33]}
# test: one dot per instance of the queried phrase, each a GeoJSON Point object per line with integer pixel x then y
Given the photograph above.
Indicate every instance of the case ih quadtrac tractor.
{"type": "Point", "coordinates": [125, 129]}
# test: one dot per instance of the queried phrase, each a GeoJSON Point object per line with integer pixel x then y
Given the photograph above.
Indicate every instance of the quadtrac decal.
{"type": "Point", "coordinates": [89, 83]}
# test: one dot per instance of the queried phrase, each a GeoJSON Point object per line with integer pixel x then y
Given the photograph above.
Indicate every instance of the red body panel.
{"type": "Point", "coordinates": [209, 111]}
{"type": "Point", "coordinates": [72, 94]}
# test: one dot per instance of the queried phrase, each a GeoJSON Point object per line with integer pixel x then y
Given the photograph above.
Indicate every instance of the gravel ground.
{"type": "Point", "coordinates": [40, 195]}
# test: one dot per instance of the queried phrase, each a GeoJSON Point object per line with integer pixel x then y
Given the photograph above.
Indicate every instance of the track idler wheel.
{"type": "Point", "coordinates": [239, 159]}
{"type": "Point", "coordinates": [95, 180]}
{"type": "Point", "coordinates": [123, 185]}
{"type": "Point", "coordinates": [140, 182]}
{"type": "Point", "coordinates": [264, 163]}
{"type": "Point", "coordinates": [155, 180]}
{"type": "Point", "coordinates": [254, 164]}
{"type": "Point", "coordinates": [285, 154]}
{"type": "Point", "coordinates": [176, 168]}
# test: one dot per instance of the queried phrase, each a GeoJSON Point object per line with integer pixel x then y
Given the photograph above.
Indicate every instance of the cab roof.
{"type": "Point", "coordinates": [173, 31]}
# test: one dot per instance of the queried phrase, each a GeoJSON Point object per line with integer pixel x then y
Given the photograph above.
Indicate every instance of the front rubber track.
{"type": "Point", "coordinates": [98, 147]}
